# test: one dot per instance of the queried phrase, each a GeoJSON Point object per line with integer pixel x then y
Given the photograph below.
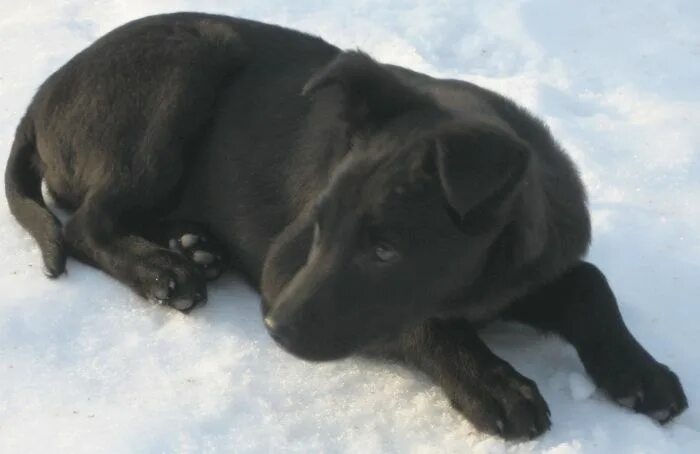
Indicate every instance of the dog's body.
{"type": "Point", "coordinates": [380, 211]}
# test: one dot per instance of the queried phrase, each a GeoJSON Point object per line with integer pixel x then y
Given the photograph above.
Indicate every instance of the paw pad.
{"type": "Point", "coordinates": [188, 240]}
{"type": "Point", "coordinates": [182, 304]}
{"type": "Point", "coordinates": [201, 251]}
{"type": "Point", "coordinates": [203, 257]}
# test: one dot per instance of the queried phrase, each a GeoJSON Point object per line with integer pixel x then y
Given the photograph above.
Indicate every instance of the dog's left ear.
{"type": "Point", "coordinates": [371, 94]}
{"type": "Point", "coordinates": [480, 168]}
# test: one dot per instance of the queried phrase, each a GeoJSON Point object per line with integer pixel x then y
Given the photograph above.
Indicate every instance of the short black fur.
{"type": "Point", "coordinates": [379, 211]}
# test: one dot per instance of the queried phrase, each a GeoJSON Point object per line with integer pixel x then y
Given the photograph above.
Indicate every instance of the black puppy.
{"type": "Point", "coordinates": [380, 211]}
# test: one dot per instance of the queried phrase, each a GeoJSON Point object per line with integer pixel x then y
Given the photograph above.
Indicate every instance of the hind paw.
{"type": "Point", "coordinates": [169, 278]}
{"type": "Point", "coordinates": [202, 250]}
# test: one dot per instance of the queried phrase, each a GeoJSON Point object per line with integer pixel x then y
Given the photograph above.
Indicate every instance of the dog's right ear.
{"type": "Point", "coordinates": [371, 94]}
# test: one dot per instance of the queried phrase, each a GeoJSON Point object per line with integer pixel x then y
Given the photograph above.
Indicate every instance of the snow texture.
{"type": "Point", "coordinates": [85, 366]}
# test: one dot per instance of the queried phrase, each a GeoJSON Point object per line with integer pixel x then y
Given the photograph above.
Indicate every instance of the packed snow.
{"type": "Point", "coordinates": [86, 366]}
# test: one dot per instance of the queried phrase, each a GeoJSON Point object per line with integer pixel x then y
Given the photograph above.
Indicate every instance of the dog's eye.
{"type": "Point", "coordinates": [385, 253]}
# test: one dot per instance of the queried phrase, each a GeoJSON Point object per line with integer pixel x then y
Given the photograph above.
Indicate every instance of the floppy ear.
{"type": "Point", "coordinates": [480, 168]}
{"type": "Point", "coordinates": [371, 94]}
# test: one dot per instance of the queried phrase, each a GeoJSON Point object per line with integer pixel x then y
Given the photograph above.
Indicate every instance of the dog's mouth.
{"type": "Point", "coordinates": [308, 342]}
{"type": "Point", "coordinates": [306, 345]}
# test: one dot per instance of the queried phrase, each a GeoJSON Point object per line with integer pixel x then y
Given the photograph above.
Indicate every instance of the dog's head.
{"type": "Point", "coordinates": [404, 224]}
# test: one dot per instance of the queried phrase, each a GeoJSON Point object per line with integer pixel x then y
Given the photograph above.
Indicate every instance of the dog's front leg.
{"type": "Point", "coordinates": [581, 307]}
{"type": "Point", "coordinates": [488, 391]}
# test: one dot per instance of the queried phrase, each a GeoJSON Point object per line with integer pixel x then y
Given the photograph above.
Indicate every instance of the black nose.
{"type": "Point", "coordinates": [280, 332]}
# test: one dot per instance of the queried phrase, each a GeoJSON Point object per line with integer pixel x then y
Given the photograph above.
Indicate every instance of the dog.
{"type": "Point", "coordinates": [379, 211]}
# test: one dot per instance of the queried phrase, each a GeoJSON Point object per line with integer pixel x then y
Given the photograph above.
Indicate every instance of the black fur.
{"type": "Point", "coordinates": [379, 211]}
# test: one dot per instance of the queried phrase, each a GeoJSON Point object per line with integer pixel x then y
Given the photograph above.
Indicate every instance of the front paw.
{"type": "Point", "coordinates": [644, 386]}
{"type": "Point", "coordinates": [502, 402]}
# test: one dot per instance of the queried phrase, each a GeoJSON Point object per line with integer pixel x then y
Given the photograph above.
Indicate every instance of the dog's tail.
{"type": "Point", "coordinates": [23, 191]}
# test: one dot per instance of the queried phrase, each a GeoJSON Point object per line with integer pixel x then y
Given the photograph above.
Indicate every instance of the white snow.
{"type": "Point", "coordinates": [581, 386]}
{"type": "Point", "coordinates": [85, 366]}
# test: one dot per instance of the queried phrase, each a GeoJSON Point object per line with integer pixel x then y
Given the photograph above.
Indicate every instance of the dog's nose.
{"type": "Point", "coordinates": [280, 332]}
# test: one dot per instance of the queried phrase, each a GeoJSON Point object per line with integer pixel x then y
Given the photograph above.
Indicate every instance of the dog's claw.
{"type": "Point", "coordinates": [500, 426]}
{"type": "Point", "coordinates": [660, 415]}
{"type": "Point", "coordinates": [201, 249]}
{"type": "Point", "coordinates": [627, 401]}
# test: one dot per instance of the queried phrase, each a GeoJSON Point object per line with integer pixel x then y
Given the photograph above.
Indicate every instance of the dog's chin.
{"type": "Point", "coordinates": [317, 351]}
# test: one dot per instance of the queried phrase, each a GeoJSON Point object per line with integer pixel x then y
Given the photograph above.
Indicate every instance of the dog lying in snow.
{"type": "Point", "coordinates": [378, 210]}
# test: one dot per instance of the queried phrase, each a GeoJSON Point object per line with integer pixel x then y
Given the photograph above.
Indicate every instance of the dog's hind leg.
{"type": "Point", "coordinates": [113, 131]}
{"type": "Point", "coordinates": [102, 233]}
{"type": "Point", "coordinates": [581, 307]}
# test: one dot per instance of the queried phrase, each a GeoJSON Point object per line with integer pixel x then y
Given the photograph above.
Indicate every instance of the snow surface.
{"type": "Point", "coordinates": [85, 366]}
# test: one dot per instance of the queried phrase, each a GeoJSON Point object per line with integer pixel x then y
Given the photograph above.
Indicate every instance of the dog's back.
{"type": "Point", "coordinates": [136, 104]}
